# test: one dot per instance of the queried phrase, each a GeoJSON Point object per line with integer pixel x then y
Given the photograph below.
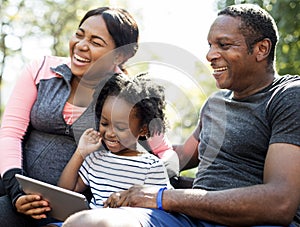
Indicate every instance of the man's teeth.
{"type": "Point", "coordinates": [220, 69]}
{"type": "Point", "coordinates": [80, 58]}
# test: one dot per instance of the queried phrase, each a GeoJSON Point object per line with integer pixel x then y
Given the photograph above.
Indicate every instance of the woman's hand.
{"type": "Point", "coordinates": [136, 196]}
{"type": "Point", "coordinates": [32, 205]}
{"type": "Point", "coordinates": [89, 142]}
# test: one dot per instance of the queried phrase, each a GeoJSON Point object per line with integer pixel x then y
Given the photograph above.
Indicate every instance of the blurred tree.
{"type": "Point", "coordinates": [48, 22]}
{"type": "Point", "coordinates": [287, 16]}
{"type": "Point", "coordinates": [33, 19]}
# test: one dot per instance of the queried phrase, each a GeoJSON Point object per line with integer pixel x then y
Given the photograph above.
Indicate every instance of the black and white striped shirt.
{"type": "Point", "coordinates": [106, 173]}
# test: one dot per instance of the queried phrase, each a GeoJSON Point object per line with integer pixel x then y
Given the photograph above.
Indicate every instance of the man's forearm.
{"type": "Point", "coordinates": [251, 205]}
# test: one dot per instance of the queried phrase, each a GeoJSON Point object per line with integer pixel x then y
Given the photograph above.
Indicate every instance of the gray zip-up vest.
{"type": "Point", "coordinates": [49, 142]}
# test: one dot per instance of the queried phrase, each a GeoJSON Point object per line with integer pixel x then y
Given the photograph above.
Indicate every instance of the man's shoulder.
{"type": "Point", "coordinates": [221, 94]}
{"type": "Point", "coordinates": [287, 83]}
{"type": "Point", "coordinates": [285, 90]}
{"type": "Point", "coordinates": [287, 79]}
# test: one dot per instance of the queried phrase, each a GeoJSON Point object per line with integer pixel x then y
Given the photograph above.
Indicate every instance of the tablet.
{"type": "Point", "coordinates": [63, 202]}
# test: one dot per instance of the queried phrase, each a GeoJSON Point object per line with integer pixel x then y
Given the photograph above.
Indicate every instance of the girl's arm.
{"type": "Point", "coordinates": [70, 178]}
{"type": "Point", "coordinates": [89, 142]}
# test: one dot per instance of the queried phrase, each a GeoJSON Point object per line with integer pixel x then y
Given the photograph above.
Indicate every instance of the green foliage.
{"type": "Point", "coordinates": [189, 112]}
{"type": "Point", "coordinates": [41, 19]}
{"type": "Point", "coordinates": [189, 172]}
{"type": "Point", "coordinates": [183, 101]}
{"type": "Point", "coordinates": [287, 16]}
{"type": "Point", "coordinates": [50, 23]}
{"type": "Point", "coordinates": [53, 22]}
{"type": "Point", "coordinates": [286, 13]}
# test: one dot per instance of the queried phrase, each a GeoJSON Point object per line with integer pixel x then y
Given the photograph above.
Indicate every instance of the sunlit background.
{"type": "Point", "coordinates": [173, 33]}
{"type": "Point", "coordinates": [172, 49]}
{"type": "Point", "coordinates": [181, 23]}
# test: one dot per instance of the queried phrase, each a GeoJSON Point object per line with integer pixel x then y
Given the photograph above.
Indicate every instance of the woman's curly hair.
{"type": "Point", "coordinates": [147, 98]}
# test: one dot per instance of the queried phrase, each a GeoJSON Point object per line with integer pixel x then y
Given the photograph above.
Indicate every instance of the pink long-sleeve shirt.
{"type": "Point", "coordinates": [16, 116]}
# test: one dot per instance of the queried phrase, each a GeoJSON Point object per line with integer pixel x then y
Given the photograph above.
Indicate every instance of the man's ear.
{"type": "Point", "coordinates": [263, 49]}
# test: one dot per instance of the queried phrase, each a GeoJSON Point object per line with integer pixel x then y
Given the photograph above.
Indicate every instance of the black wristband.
{"type": "Point", "coordinates": [11, 184]}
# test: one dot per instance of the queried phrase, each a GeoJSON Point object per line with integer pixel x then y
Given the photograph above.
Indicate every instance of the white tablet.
{"type": "Point", "coordinates": [63, 202]}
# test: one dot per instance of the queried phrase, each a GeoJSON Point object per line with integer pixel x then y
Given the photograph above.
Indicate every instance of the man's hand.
{"type": "Point", "coordinates": [136, 196]}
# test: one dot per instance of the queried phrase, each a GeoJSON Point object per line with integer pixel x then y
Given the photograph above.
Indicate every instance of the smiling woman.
{"type": "Point", "coordinates": [98, 43]}
{"type": "Point", "coordinates": [51, 107]}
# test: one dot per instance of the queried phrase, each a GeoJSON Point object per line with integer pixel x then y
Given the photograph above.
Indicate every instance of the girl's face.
{"type": "Point", "coordinates": [91, 42]}
{"type": "Point", "coordinates": [119, 126]}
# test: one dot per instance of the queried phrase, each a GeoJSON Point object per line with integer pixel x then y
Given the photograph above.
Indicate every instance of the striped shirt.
{"type": "Point", "coordinates": [106, 173]}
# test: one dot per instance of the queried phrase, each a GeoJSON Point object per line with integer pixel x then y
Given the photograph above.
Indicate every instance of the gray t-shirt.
{"type": "Point", "coordinates": [235, 134]}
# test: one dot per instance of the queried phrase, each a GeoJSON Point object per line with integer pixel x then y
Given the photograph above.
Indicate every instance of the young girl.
{"type": "Point", "coordinates": [110, 160]}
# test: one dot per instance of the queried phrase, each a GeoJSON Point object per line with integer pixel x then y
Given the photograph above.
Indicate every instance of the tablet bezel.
{"type": "Point", "coordinates": [63, 202]}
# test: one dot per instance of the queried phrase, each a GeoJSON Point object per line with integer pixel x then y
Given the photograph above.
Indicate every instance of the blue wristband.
{"type": "Point", "coordinates": [159, 198]}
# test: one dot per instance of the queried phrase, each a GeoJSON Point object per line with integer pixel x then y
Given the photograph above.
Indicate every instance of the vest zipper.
{"type": "Point", "coordinates": [67, 132]}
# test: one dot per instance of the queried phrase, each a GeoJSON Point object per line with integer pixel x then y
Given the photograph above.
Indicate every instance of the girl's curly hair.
{"type": "Point", "coordinates": [147, 98]}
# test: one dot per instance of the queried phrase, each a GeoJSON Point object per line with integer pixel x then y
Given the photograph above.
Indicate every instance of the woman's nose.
{"type": "Point", "coordinates": [82, 44]}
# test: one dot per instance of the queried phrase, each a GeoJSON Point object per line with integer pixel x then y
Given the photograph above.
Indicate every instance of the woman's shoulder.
{"type": "Point", "coordinates": [41, 67]}
{"type": "Point", "coordinates": [50, 59]}
{"type": "Point", "coordinates": [54, 61]}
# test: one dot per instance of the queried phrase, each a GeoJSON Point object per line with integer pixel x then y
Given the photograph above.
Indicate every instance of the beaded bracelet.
{"type": "Point", "coordinates": [159, 198]}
